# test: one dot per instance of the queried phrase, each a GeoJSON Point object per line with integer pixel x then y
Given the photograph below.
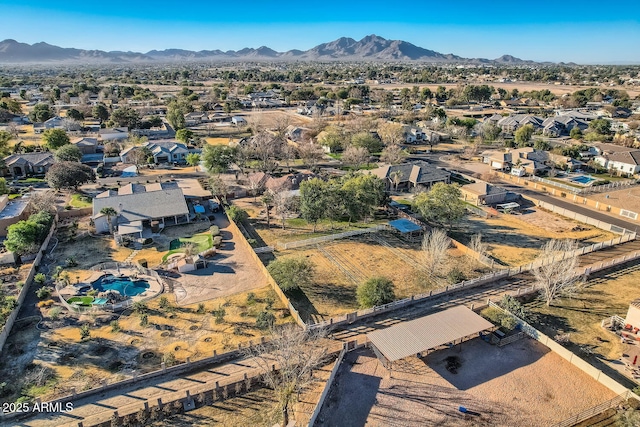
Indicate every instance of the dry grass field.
{"type": "Point", "coordinates": [341, 265]}
{"type": "Point", "coordinates": [628, 198]}
{"type": "Point", "coordinates": [516, 239]}
{"type": "Point", "coordinates": [604, 295]}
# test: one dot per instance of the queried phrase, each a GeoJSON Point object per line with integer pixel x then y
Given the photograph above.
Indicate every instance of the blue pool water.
{"type": "Point", "coordinates": [124, 285]}
{"type": "Point", "coordinates": [583, 179]}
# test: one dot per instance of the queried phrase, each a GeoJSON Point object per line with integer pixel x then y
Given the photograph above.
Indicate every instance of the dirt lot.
{"type": "Point", "coordinates": [180, 331]}
{"type": "Point", "coordinates": [343, 264]}
{"type": "Point", "coordinates": [629, 198]}
{"type": "Point", "coordinates": [520, 384]}
{"type": "Point", "coordinates": [604, 295]}
{"type": "Point", "coordinates": [516, 239]}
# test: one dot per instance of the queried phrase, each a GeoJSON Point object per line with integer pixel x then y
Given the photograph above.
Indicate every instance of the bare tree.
{"type": "Point", "coordinates": [435, 245]}
{"type": "Point", "coordinates": [557, 273]}
{"type": "Point", "coordinates": [266, 149]}
{"type": "Point", "coordinates": [477, 245]}
{"type": "Point", "coordinates": [255, 185]}
{"type": "Point", "coordinates": [392, 154]}
{"type": "Point", "coordinates": [396, 178]}
{"type": "Point", "coordinates": [355, 156]}
{"type": "Point", "coordinates": [310, 153]}
{"type": "Point", "coordinates": [43, 201]}
{"type": "Point", "coordinates": [287, 361]}
{"type": "Point", "coordinates": [391, 133]}
{"type": "Point", "coordinates": [283, 202]}
{"type": "Point", "coordinates": [219, 188]}
{"type": "Point", "coordinates": [14, 129]}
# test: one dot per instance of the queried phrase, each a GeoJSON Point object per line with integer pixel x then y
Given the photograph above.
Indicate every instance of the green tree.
{"type": "Point", "coordinates": [313, 200]}
{"type": "Point", "coordinates": [175, 114]}
{"type": "Point", "coordinates": [100, 112]}
{"type": "Point", "coordinates": [332, 138]}
{"type": "Point", "coordinates": [193, 159]}
{"type": "Point", "coordinates": [55, 138]}
{"type": "Point", "coordinates": [575, 133]}
{"type": "Point", "coordinates": [441, 205]}
{"type": "Point", "coordinates": [69, 175]}
{"type": "Point", "coordinates": [361, 195]}
{"type": "Point", "coordinates": [184, 135]}
{"type": "Point", "coordinates": [292, 273]}
{"type": "Point", "coordinates": [109, 212]}
{"type": "Point", "coordinates": [4, 188]}
{"type": "Point", "coordinates": [523, 135]}
{"type": "Point", "coordinates": [601, 126]}
{"type": "Point", "coordinates": [237, 214]}
{"type": "Point", "coordinates": [68, 153]}
{"type": "Point", "coordinates": [41, 112]}
{"type": "Point", "coordinates": [126, 116]}
{"type": "Point", "coordinates": [22, 237]}
{"type": "Point", "coordinates": [366, 140]}
{"type": "Point", "coordinates": [375, 291]}
{"type": "Point", "coordinates": [542, 145]}
{"type": "Point", "coordinates": [140, 156]}
{"type": "Point", "coordinates": [218, 158]}
{"type": "Point", "coordinates": [74, 114]}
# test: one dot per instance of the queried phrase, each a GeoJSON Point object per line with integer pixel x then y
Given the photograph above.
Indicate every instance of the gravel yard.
{"type": "Point", "coordinates": [520, 384]}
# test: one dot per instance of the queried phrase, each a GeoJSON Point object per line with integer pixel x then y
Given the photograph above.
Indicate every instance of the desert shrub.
{"type": "Point", "coordinates": [236, 214]}
{"type": "Point", "coordinates": [144, 320]}
{"type": "Point", "coordinates": [164, 302]}
{"type": "Point", "coordinates": [214, 230]}
{"type": "Point", "coordinates": [455, 275]}
{"type": "Point", "coordinates": [85, 332]}
{"type": "Point", "coordinates": [494, 314]}
{"type": "Point", "coordinates": [514, 306]}
{"type": "Point", "coordinates": [251, 298]}
{"type": "Point", "coordinates": [54, 313]}
{"type": "Point", "coordinates": [270, 299]}
{"type": "Point", "coordinates": [219, 315]}
{"type": "Point", "coordinates": [201, 309]}
{"type": "Point", "coordinates": [43, 293]}
{"type": "Point", "coordinates": [217, 241]}
{"type": "Point", "coordinates": [509, 322]}
{"type": "Point", "coordinates": [40, 278]}
{"type": "Point", "coordinates": [46, 303]}
{"type": "Point", "coordinates": [375, 291]}
{"type": "Point", "coordinates": [140, 307]}
{"type": "Point", "coordinates": [115, 326]}
{"type": "Point", "coordinates": [265, 320]}
{"type": "Point", "coordinates": [169, 359]}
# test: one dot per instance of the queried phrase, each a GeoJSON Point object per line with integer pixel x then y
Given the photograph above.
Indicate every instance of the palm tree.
{"type": "Point", "coordinates": [396, 178]}
{"type": "Point", "coordinates": [266, 200]}
{"type": "Point", "coordinates": [109, 212]}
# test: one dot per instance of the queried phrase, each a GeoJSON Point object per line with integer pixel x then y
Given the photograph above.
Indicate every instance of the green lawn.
{"type": "Point", "coordinates": [80, 201]}
{"type": "Point", "coordinates": [31, 180]}
{"type": "Point", "coordinates": [203, 241]}
{"type": "Point", "coordinates": [82, 300]}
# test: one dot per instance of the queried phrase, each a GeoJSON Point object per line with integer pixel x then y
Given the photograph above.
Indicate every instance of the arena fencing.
{"type": "Point", "coordinates": [6, 329]}
{"type": "Point", "coordinates": [328, 238]}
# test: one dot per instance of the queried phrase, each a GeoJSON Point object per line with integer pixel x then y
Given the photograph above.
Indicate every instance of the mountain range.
{"type": "Point", "coordinates": [370, 48]}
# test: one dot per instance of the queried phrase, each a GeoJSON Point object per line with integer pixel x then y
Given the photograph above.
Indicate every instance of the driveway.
{"type": "Point", "coordinates": [232, 270]}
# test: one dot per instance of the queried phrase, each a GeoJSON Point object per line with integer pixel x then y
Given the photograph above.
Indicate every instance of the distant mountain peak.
{"type": "Point", "coordinates": [370, 48]}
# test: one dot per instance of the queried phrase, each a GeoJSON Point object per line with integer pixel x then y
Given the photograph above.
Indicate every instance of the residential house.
{"type": "Point", "coordinates": [295, 133]}
{"type": "Point", "coordinates": [54, 123]}
{"type": "Point", "coordinates": [624, 161]}
{"type": "Point", "coordinates": [483, 193]}
{"type": "Point", "coordinates": [497, 159]}
{"type": "Point", "coordinates": [114, 134]}
{"type": "Point", "coordinates": [513, 122]}
{"type": "Point", "coordinates": [238, 121]}
{"type": "Point", "coordinates": [562, 125]}
{"type": "Point", "coordinates": [86, 145]}
{"type": "Point", "coordinates": [195, 118]}
{"type": "Point", "coordinates": [411, 175]}
{"type": "Point", "coordinates": [28, 164]}
{"type": "Point", "coordinates": [138, 206]}
{"type": "Point", "coordinates": [162, 151]}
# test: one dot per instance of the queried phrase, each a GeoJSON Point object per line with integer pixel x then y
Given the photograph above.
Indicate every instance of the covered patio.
{"type": "Point", "coordinates": [407, 229]}
{"type": "Point", "coordinates": [413, 338]}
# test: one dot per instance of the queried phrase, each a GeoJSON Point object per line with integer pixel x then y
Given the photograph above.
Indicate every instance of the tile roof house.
{"type": "Point", "coordinates": [137, 206]}
{"type": "Point", "coordinates": [27, 164]}
{"type": "Point", "coordinates": [411, 175]}
{"type": "Point", "coordinates": [483, 193]}
{"type": "Point", "coordinates": [162, 151]}
{"type": "Point", "coordinates": [623, 161]}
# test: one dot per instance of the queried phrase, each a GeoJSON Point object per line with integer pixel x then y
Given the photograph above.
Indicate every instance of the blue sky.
{"type": "Point", "coordinates": [578, 31]}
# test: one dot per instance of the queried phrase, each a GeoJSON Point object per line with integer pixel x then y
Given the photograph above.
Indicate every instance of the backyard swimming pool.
{"type": "Point", "coordinates": [583, 179]}
{"type": "Point", "coordinates": [124, 285]}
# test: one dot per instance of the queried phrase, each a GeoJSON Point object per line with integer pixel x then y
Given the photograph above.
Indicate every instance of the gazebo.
{"type": "Point", "coordinates": [407, 229]}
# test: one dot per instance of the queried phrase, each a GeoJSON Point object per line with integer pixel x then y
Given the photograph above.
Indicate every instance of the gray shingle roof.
{"type": "Point", "coordinates": [156, 202]}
